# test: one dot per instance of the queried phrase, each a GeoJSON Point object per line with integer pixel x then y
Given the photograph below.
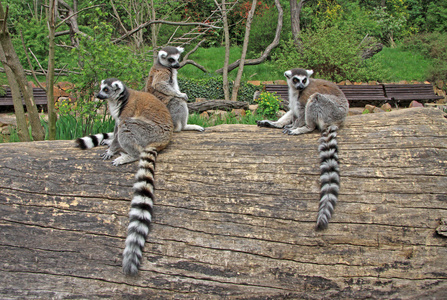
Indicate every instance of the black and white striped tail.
{"type": "Point", "coordinates": [140, 215]}
{"type": "Point", "coordinates": [92, 141]}
{"type": "Point", "coordinates": [330, 175]}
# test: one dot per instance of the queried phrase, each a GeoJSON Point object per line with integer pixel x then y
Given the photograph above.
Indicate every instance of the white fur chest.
{"type": "Point", "coordinates": [174, 81]}
{"type": "Point", "coordinates": [293, 101]}
{"type": "Point", "coordinates": [114, 109]}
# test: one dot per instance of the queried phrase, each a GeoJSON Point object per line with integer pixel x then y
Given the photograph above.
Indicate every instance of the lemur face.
{"type": "Point", "coordinates": [298, 78]}
{"type": "Point", "coordinates": [170, 57]}
{"type": "Point", "coordinates": [110, 89]}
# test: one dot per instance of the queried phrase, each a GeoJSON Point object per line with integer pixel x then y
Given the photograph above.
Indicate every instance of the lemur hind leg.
{"type": "Point", "coordinates": [178, 109]}
{"type": "Point", "coordinates": [135, 134]}
{"type": "Point", "coordinates": [321, 111]}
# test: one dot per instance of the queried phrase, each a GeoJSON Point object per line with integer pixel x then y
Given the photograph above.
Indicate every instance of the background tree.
{"type": "Point", "coordinates": [11, 61]}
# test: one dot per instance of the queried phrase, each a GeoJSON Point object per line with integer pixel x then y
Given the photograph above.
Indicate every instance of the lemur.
{"type": "Point", "coordinates": [143, 127]}
{"type": "Point", "coordinates": [316, 103]}
{"type": "Point", "coordinates": [162, 82]}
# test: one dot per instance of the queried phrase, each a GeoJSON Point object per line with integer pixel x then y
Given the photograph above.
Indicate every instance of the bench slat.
{"type": "Point", "coordinates": [376, 93]}
{"type": "Point", "coordinates": [40, 97]}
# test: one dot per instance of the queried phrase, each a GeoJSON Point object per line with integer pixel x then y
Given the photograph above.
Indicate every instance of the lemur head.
{"type": "Point", "coordinates": [170, 56]}
{"type": "Point", "coordinates": [298, 78]}
{"type": "Point", "coordinates": [111, 89]}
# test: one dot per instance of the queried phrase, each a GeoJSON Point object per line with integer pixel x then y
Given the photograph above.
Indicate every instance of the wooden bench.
{"type": "Point", "coordinates": [400, 93]}
{"type": "Point", "coordinates": [357, 95]}
{"type": "Point", "coordinates": [360, 95]}
{"type": "Point", "coordinates": [40, 97]}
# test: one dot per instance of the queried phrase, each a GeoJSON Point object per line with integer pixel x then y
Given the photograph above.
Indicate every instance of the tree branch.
{"type": "Point", "coordinates": [29, 62]}
{"type": "Point", "coordinates": [269, 48]}
{"type": "Point", "coordinates": [141, 26]}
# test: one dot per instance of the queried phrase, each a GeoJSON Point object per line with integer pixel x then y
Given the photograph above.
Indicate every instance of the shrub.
{"type": "Point", "coordinates": [268, 104]}
{"type": "Point", "coordinates": [212, 88]}
{"type": "Point", "coordinates": [331, 59]}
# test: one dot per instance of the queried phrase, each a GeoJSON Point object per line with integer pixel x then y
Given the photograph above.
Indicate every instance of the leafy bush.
{"type": "Point", "coordinates": [99, 59]}
{"type": "Point", "coordinates": [331, 59]}
{"type": "Point", "coordinates": [212, 88]}
{"type": "Point", "coordinates": [268, 104]}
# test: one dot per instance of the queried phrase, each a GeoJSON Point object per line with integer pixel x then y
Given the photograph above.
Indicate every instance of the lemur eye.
{"type": "Point", "coordinates": [171, 60]}
{"type": "Point", "coordinates": [106, 90]}
{"type": "Point", "coordinates": [295, 80]}
{"type": "Point", "coordinates": [304, 80]}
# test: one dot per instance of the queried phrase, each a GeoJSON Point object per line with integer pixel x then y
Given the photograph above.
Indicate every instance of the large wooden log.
{"type": "Point", "coordinates": [235, 216]}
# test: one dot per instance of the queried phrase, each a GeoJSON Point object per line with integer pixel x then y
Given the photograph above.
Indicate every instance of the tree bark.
{"type": "Point", "coordinates": [234, 216]}
{"type": "Point", "coordinates": [295, 12]}
{"type": "Point", "coordinates": [237, 81]}
{"type": "Point", "coordinates": [200, 107]}
{"type": "Point", "coordinates": [13, 62]}
{"type": "Point", "coordinates": [226, 85]}
{"type": "Point", "coordinates": [269, 48]}
{"type": "Point", "coordinates": [52, 117]}
{"type": "Point", "coordinates": [22, 127]}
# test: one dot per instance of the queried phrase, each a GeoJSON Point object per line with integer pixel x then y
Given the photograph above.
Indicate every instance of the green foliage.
{"type": "Point", "coordinates": [268, 104]}
{"type": "Point", "coordinates": [432, 46]}
{"type": "Point", "coordinates": [99, 59]}
{"type": "Point", "coordinates": [35, 35]}
{"type": "Point", "coordinates": [212, 88]}
{"type": "Point", "coordinates": [331, 59]}
{"type": "Point", "coordinates": [2, 91]}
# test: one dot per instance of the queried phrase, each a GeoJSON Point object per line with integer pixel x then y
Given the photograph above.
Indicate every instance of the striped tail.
{"type": "Point", "coordinates": [92, 141]}
{"type": "Point", "coordinates": [330, 178]}
{"type": "Point", "coordinates": [140, 215]}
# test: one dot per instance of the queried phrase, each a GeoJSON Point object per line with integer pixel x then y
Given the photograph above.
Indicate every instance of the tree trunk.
{"type": "Point", "coordinates": [52, 117]}
{"type": "Point", "coordinates": [200, 107]}
{"type": "Point", "coordinates": [22, 127]}
{"type": "Point", "coordinates": [234, 216]}
{"type": "Point", "coordinates": [13, 62]}
{"type": "Point", "coordinates": [226, 86]}
{"type": "Point", "coordinates": [295, 12]}
{"type": "Point", "coordinates": [269, 48]}
{"type": "Point", "coordinates": [237, 81]}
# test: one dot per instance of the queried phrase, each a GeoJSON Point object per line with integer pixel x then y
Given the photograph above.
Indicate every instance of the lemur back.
{"type": "Point", "coordinates": [162, 82]}
{"type": "Point", "coordinates": [143, 127]}
{"type": "Point", "coordinates": [316, 103]}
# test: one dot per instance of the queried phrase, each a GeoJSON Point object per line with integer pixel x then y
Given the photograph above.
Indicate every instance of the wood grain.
{"type": "Point", "coordinates": [235, 216]}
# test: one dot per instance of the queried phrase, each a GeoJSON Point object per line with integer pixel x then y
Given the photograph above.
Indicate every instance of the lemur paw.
{"type": "Point", "coordinates": [265, 123]}
{"type": "Point", "coordinates": [286, 131]}
{"type": "Point", "coordinates": [106, 142]}
{"type": "Point", "coordinates": [184, 96]}
{"type": "Point", "coordinates": [107, 155]}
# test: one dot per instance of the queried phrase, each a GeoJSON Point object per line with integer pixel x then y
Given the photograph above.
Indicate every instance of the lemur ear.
{"type": "Point", "coordinates": [309, 72]}
{"type": "Point", "coordinates": [288, 74]}
{"type": "Point", "coordinates": [117, 85]}
{"type": "Point", "coordinates": [180, 49]}
{"type": "Point", "coordinates": [162, 54]}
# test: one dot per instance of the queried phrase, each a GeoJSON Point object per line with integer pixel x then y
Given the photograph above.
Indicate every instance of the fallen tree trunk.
{"type": "Point", "coordinates": [234, 216]}
{"type": "Point", "coordinates": [200, 107]}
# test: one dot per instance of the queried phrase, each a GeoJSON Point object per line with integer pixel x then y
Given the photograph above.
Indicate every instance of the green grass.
{"type": "Point", "coordinates": [213, 59]}
{"type": "Point", "coordinates": [403, 65]}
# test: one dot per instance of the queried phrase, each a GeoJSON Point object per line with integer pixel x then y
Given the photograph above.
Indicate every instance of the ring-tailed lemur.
{"type": "Point", "coordinates": [143, 127]}
{"type": "Point", "coordinates": [162, 82]}
{"type": "Point", "coordinates": [316, 103]}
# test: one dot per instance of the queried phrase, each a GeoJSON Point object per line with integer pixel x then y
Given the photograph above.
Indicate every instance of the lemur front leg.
{"type": "Point", "coordinates": [114, 146]}
{"type": "Point", "coordinates": [283, 121]}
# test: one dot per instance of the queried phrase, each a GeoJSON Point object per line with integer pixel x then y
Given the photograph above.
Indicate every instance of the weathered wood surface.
{"type": "Point", "coordinates": [234, 217]}
{"type": "Point", "coordinates": [202, 106]}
